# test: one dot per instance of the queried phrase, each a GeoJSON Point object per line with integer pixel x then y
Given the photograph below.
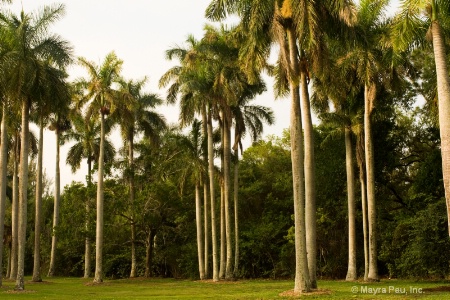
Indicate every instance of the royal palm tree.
{"type": "Point", "coordinates": [86, 134]}
{"type": "Point", "coordinates": [51, 95]}
{"type": "Point", "coordinates": [247, 118]}
{"type": "Point", "coordinates": [101, 97]}
{"type": "Point", "coordinates": [189, 80]}
{"type": "Point", "coordinates": [133, 120]}
{"type": "Point", "coordinates": [30, 48]}
{"type": "Point", "coordinates": [418, 24]}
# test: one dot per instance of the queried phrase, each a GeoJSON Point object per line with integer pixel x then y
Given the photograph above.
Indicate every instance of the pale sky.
{"type": "Point", "coordinates": [139, 31]}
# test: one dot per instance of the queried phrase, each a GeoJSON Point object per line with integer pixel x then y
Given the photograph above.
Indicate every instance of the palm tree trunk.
{"type": "Point", "coordinates": [15, 212]}
{"type": "Point", "coordinates": [222, 232]}
{"type": "Point", "coordinates": [23, 199]}
{"type": "Point", "coordinates": [362, 179]}
{"type": "Point", "coordinates": [38, 208]}
{"type": "Point", "coordinates": [227, 180]}
{"type": "Point", "coordinates": [205, 197]}
{"type": "Point", "coordinates": [310, 180]}
{"type": "Point", "coordinates": [51, 270]}
{"type": "Point", "coordinates": [236, 215]}
{"type": "Point", "coordinates": [369, 95]}
{"type": "Point", "coordinates": [99, 226]}
{"type": "Point", "coordinates": [3, 182]}
{"type": "Point", "coordinates": [87, 241]}
{"type": "Point", "coordinates": [132, 193]}
{"type": "Point", "coordinates": [302, 281]}
{"type": "Point", "coordinates": [198, 221]}
{"type": "Point", "coordinates": [212, 195]}
{"type": "Point", "coordinates": [443, 86]}
{"type": "Point", "coordinates": [351, 270]}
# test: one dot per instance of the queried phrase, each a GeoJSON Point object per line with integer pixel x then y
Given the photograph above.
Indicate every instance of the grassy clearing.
{"type": "Point", "coordinates": [79, 289]}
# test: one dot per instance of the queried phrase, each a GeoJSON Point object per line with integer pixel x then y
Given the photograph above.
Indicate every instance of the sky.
{"type": "Point", "coordinates": [139, 31]}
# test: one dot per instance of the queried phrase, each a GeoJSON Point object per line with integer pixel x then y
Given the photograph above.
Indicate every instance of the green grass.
{"type": "Point", "coordinates": [79, 289]}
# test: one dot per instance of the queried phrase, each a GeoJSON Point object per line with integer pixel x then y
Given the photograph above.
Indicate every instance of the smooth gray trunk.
{"type": "Point", "coordinates": [370, 173]}
{"type": "Point", "coordinates": [15, 212]}
{"type": "Point", "coordinates": [227, 184]}
{"type": "Point", "coordinates": [23, 196]}
{"type": "Point", "coordinates": [236, 213]}
{"type": "Point", "coordinates": [222, 233]}
{"type": "Point", "coordinates": [149, 254]}
{"type": "Point", "coordinates": [206, 208]}
{"type": "Point", "coordinates": [212, 195]}
{"type": "Point", "coordinates": [443, 89]}
{"type": "Point", "coordinates": [3, 183]}
{"type": "Point", "coordinates": [87, 240]}
{"type": "Point", "coordinates": [99, 225]}
{"type": "Point", "coordinates": [302, 281]}
{"type": "Point", "coordinates": [198, 221]}
{"type": "Point", "coordinates": [38, 208]}
{"type": "Point", "coordinates": [351, 268]}
{"type": "Point", "coordinates": [310, 181]}
{"type": "Point", "coordinates": [133, 272]}
{"type": "Point", "coordinates": [362, 179]}
{"type": "Point", "coordinates": [57, 197]}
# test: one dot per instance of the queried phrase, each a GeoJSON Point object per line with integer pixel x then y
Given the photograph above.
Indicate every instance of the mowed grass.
{"type": "Point", "coordinates": [140, 288]}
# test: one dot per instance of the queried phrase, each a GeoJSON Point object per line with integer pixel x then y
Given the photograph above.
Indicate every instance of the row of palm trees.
{"type": "Point", "coordinates": [351, 51]}
{"type": "Point", "coordinates": [210, 83]}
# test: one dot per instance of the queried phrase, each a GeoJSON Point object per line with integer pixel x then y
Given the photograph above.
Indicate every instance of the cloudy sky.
{"type": "Point", "coordinates": [139, 31]}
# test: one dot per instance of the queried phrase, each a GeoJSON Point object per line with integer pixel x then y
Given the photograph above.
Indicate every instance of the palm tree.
{"type": "Point", "coordinates": [102, 97]}
{"type": "Point", "coordinates": [3, 182]}
{"type": "Point", "coordinates": [30, 48]}
{"type": "Point", "coordinates": [133, 120]}
{"type": "Point", "coordinates": [59, 124]}
{"type": "Point", "coordinates": [86, 134]}
{"type": "Point", "coordinates": [189, 79]}
{"type": "Point", "coordinates": [417, 24]}
{"type": "Point", "coordinates": [247, 118]}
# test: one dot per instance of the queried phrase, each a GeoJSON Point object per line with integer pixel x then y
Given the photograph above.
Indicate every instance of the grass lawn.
{"type": "Point", "coordinates": [76, 288]}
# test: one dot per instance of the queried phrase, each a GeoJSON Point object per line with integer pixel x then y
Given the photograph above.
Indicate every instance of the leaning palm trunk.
{"type": "Point", "coordinates": [302, 281]}
{"type": "Point", "coordinates": [3, 167]}
{"type": "Point", "coordinates": [132, 193]}
{"type": "Point", "coordinates": [443, 86]}
{"type": "Point", "coordinates": [212, 195]}
{"type": "Point", "coordinates": [351, 269]}
{"type": "Point", "coordinates": [23, 189]}
{"type": "Point", "coordinates": [87, 240]}
{"type": "Point", "coordinates": [198, 222]}
{"type": "Point", "coordinates": [38, 208]}
{"type": "Point", "coordinates": [226, 182]}
{"type": "Point", "coordinates": [15, 212]}
{"type": "Point", "coordinates": [236, 216]}
{"type": "Point", "coordinates": [51, 270]}
{"type": "Point", "coordinates": [369, 96]}
{"type": "Point", "coordinates": [99, 226]}
{"type": "Point", "coordinates": [310, 181]}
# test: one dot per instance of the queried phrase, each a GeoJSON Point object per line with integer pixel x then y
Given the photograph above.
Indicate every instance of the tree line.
{"type": "Point", "coordinates": [358, 69]}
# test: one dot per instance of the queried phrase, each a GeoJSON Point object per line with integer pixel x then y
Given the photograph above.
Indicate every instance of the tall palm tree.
{"type": "Point", "coordinates": [418, 24]}
{"type": "Point", "coordinates": [3, 182]}
{"type": "Point", "coordinates": [134, 120]}
{"type": "Point", "coordinates": [51, 96]}
{"type": "Point", "coordinates": [247, 118]}
{"type": "Point", "coordinates": [101, 96]}
{"type": "Point", "coordinates": [86, 134]}
{"type": "Point", "coordinates": [59, 124]}
{"type": "Point", "coordinates": [31, 46]}
{"type": "Point", "coordinates": [189, 80]}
